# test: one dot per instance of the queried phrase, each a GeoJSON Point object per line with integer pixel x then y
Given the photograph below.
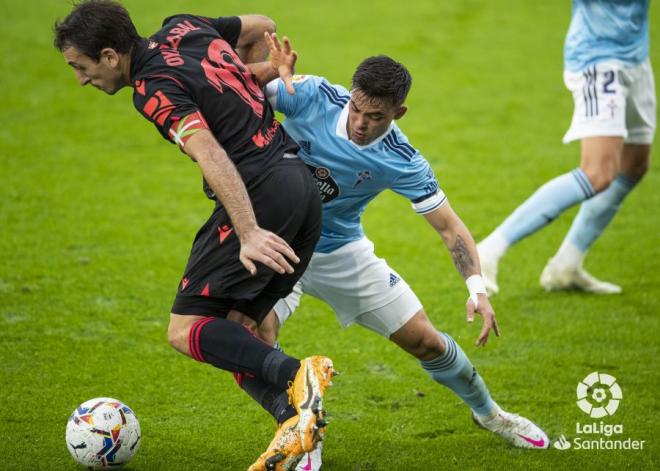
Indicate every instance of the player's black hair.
{"type": "Point", "coordinates": [383, 78]}
{"type": "Point", "coordinates": [94, 25]}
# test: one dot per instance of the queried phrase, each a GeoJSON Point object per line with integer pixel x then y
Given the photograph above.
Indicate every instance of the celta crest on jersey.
{"type": "Point", "coordinates": [327, 185]}
{"type": "Point", "coordinates": [362, 176]}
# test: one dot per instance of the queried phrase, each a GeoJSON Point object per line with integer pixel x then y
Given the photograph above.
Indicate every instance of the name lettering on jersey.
{"type": "Point", "coordinates": [326, 184]}
{"type": "Point", "coordinates": [171, 56]}
{"type": "Point", "coordinates": [362, 176]}
{"type": "Point", "coordinates": [261, 140]}
{"type": "Point", "coordinates": [171, 52]}
{"type": "Point", "coordinates": [177, 33]}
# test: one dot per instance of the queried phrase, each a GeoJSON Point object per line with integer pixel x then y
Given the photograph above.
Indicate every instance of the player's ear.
{"type": "Point", "coordinates": [110, 56]}
{"type": "Point", "coordinates": [400, 112]}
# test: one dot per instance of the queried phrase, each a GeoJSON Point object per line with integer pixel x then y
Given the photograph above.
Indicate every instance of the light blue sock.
{"type": "Point", "coordinates": [546, 204]}
{"type": "Point", "coordinates": [596, 213]}
{"type": "Point", "coordinates": [454, 370]}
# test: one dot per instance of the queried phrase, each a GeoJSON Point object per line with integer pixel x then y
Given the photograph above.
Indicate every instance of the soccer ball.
{"type": "Point", "coordinates": [102, 432]}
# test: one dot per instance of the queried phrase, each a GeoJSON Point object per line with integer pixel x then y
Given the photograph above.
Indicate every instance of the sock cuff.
{"type": "Point", "coordinates": [193, 338]}
{"type": "Point", "coordinates": [446, 360]}
{"type": "Point", "coordinates": [583, 182]}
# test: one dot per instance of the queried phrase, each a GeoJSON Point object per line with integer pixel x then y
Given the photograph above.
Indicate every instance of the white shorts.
{"type": "Point", "coordinates": [359, 286]}
{"type": "Point", "coordinates": [613, 99]}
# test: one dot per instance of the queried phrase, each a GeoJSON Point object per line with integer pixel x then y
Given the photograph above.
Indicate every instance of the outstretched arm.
{"type": "Point", "coordinates": [460, 243]}
{"type": "Point", "coordinates": [281, 64]}
{"type": "Point", "coordinates": [257, 244]}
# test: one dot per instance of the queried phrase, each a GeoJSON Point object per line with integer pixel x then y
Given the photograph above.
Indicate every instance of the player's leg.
{"type": "Point", "coordinates": [599, 113]}
{"type": "Point", "coordinates": [214, 278]}
{"type": "Point", "coordinates": [232, 347]}
{"type": "Point", "coordinates": [439, 356]}
{"type": "Point", "coordinates": [295, 215]}
{"type": "Point", "coordinates": [447, 364]}
{"type": "Point", "coordinates": [548, 202]}
{"type": "Point", "coordinates": [565, 269]}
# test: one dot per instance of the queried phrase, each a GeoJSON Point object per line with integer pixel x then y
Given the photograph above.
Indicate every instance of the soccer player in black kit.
{"type": "Point", "coordinates": [189, 79]}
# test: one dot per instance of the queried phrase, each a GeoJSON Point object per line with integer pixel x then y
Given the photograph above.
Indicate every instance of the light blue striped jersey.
{"type": "Point", "coordinates": [607, 30]}
{"type": "Point", "coordinates": [349, 176]}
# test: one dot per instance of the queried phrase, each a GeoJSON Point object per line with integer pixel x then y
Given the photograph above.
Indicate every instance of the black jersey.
{"type": "Point", "coordinates": [187, 77]}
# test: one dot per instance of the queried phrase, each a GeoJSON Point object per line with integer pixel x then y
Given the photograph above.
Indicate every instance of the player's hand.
{"type": "Point", "coordinates": [283, 59]}
{"type": "Point", "coordinates": [260, 245]}
{"type": "Point", "coordinates": [486, 311]}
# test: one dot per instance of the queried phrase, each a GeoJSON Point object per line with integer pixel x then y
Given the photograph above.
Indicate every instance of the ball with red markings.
{"type": "Point", "coordinates": [103, 432]}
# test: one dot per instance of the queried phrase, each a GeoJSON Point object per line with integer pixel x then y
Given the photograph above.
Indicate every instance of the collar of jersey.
{"type": "Point", "coordinates": [341, 129]}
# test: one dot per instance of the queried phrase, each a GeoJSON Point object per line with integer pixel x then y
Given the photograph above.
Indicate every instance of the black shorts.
{"type": "Point", "coordinates": [286, 201]}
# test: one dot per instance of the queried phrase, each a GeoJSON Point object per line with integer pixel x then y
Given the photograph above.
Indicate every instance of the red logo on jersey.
{"type": "Point", "coordinates": [262, 140]}
{"type": "Point", "coordinates": [158, 107]}
{"type": "Point", "coordinates": [184, 283]}
{"type": "Point", "coordinates": [224, 69]}
{"type": "Point", "coordinates": [140, 87]}
{"type": "Point", "coordinates": [205, 291]}
{"type": "Point", "coordinates": [224, 232]}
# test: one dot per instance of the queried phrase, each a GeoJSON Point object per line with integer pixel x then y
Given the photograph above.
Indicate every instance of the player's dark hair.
{"type": "Point", "coordinates": [382, 78]}
{"type": "Point", "coordinates": [94, 25]}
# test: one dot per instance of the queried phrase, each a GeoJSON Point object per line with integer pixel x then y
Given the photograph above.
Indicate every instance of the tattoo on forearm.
{"type": "Point", "coordinates": [461, 257]}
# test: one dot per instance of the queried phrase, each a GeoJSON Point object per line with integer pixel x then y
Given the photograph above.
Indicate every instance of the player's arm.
{"type": "Point", "coordinates": [257, 244]}
{"type": "Point", "coordinates": [460, 243]}
{"type": "Point", "coordinates": [251, 45]}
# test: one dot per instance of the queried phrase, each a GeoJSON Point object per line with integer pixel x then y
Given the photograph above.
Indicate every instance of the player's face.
{"type": "Point", "coordinates": [369, 118]}
{"type": "Point", "coordinates": [105, 74]}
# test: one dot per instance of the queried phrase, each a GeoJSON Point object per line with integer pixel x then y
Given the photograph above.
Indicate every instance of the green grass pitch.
{"type": "Point", "coordinates": [97, 214]}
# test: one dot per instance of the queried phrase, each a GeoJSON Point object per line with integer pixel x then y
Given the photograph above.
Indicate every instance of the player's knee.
{"type": "Point", "coordinates": [601, 164]}
{"type": "Point", "coordinates": [601, 177]}
{"type": "Point", "coordinates": [430, 346]}
{"type": "Point", "coordinates": [636, 170]}
{"type": "Point", "coordinates": [177, 337]}
{"type": "Point", "coordinates": [641, 168]}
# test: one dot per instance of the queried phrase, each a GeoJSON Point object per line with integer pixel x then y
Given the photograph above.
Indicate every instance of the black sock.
{"type": "Point", "coordinates": [271, 398]}
{"type": "Point", "coordinates": [230, 346]}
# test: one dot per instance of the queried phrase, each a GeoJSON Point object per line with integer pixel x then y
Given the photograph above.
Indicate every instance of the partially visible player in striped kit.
{"type": "Point", "coordinates": [607, 69]}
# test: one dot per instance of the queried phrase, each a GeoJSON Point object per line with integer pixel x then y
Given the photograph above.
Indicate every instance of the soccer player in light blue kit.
{"type": "Point", "coordinates": [607, 69]}
{"type": "Point", "coordinates": [355, 151]}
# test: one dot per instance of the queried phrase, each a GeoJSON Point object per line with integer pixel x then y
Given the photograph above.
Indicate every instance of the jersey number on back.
{"type": "Point", "coordinates": [223, 68]}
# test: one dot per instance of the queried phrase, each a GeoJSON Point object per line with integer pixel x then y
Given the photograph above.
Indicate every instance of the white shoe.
{"type": "Point", "coordinates": [519, 431]}
{"type": "Point", "coordinates": [557, 278]}
{"type": "Point", "coordinates": [488, 269]}
{"type": "Point", "coordinates": [312, 461]}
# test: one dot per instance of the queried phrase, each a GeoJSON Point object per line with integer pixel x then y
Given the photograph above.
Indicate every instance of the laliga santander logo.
{"type": "Point", "coordinates": [599, 395]}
